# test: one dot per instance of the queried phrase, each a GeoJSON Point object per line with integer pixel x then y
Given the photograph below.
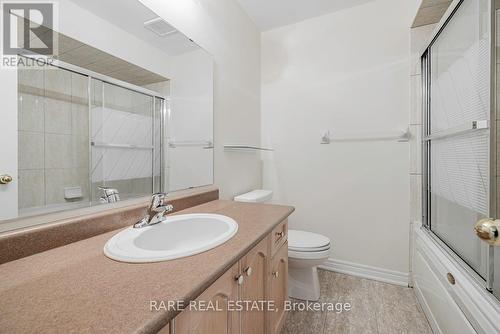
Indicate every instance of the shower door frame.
{"type": "Point", "coordinates": [486, 282]}
{"type": "Point", "coordinates": [123, 84]}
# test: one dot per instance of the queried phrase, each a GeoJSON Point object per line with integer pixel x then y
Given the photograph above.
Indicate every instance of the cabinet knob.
{"type": "Point", "coordinates": [5, 179]}
{"type": "Point", "coordinates": [280, 234]}
{"type": "Point", "coordinates": [239, 279]}
{"type": "Point", "coordinates": [248, 271]}
{"type": "Point", "coordinates": [276, 274]}
{"type": "Point", "coordinates": [451, 278]}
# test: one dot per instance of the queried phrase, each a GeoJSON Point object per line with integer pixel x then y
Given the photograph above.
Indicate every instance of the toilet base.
{"type": "Point", "coordinates": [303, 283]}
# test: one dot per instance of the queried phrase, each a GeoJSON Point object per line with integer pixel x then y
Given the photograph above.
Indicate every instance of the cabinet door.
{"type": "Point", "coordinates": [225, 289]}
{"type": "Point", "coordinates": [278, 236]}
{"type": "Point", "coordinates": [255, 270]}
{"type": "Point", "coordinates": [279, 288]}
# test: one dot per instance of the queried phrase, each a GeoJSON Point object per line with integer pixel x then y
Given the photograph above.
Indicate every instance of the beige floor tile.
{"type": "Point", "coordinates": [304, 322]}
{"type": "Point", "coordinates": [376, 308]}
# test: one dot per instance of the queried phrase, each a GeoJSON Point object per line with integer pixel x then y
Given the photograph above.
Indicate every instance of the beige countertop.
{"type": "Point", "coordinates": [76, 289]}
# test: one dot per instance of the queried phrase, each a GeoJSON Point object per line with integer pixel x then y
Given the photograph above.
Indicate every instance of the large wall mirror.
{"type": "Point", "coordinates": [121, 109]}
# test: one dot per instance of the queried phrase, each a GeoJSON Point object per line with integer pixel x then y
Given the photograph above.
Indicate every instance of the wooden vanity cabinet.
{"type": "Point", "coordinates": [220, 293]}
{"type": "Point", "coordinates": [278, 288]}
{"type": "Point", "coordinates": [260, 275]}
{"type": "Point", "coordinates": [255, 269]}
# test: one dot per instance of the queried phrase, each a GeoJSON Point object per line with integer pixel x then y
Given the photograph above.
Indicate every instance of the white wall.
{"type": "Point", "coordinates": [224, 30]}
{"type": "Point", "coordinates": [346, 72]}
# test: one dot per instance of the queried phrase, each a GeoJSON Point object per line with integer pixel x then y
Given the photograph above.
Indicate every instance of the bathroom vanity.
{"type": "Point", "coordinates": [76, 288]}
{"type": "Point", "coordinates": [260, 275]}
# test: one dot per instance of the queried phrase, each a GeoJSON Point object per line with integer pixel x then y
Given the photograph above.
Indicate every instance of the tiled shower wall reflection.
{"type": "Point", "coordinates": [53, 137]}
{"type": "Point", "coordinates": [58, 166]}
{"type": "Point", "coordinates": [419, 37]}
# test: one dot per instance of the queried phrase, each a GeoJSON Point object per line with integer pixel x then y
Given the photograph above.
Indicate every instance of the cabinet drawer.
{"type": "Point", "coordinates": [278, 236]}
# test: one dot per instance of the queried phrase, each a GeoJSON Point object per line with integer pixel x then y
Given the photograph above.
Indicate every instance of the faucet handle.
{"type": "Point", "coordinates": [157, 202]}
{"type": "Point", "coordinates": [164, 208]}
{"type": "Point", "coordinates": [109, 195]}
{"type": "Point", "coordinates": [155, 212]}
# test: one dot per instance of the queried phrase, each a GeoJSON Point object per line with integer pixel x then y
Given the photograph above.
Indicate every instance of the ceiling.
{"type": "Point", "coordinates": [431, 11]}
{"type": "Point", "coordinates": [269, 14]}
{"type": "Point", "coordinates": [85, 56]}
{"type": "Point", "coordinates": [131, 17]}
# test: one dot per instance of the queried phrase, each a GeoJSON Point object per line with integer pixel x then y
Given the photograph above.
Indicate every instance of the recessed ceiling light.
{"type": "Point", "coordinates": [159, 27]}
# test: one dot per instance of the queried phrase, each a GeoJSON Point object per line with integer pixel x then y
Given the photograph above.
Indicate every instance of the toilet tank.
{"type": "Point", "coordinates": [255, 196]}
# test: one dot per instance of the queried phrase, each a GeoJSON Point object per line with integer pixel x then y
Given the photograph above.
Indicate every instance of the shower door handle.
{"type": "Point", "coordinates": [488, 230]}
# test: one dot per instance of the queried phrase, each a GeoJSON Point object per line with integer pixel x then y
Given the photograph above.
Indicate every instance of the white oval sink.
{"type": "Point", "coordinates": [176, 237]}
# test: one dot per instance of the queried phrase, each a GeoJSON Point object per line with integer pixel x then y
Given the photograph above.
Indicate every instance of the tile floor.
{"type": "Point", "coordinates": [377, 308]}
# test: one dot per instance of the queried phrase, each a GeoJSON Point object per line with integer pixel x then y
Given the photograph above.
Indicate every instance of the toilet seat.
{"type": "Point", "coordinates": [309, 255]}
{"type": "Point", "coordinates": [317, 249]}
{"type": "Point", "coordinates": [302, 241]}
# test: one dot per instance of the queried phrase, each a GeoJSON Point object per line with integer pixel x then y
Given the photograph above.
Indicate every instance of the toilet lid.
{"type": "Point", "coordinates": [256, 196]}
{"type": "Point", "coordinates": [307, 241]}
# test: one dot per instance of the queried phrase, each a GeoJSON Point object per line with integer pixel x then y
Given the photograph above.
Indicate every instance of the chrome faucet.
{"type": "Point", "coordinates": [109, 195]}
{"type": "Point", "coordinates": [156, 211]}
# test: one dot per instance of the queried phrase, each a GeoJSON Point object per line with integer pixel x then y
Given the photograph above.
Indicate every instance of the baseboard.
{"type": "Point", "coordinates": [360, 270]}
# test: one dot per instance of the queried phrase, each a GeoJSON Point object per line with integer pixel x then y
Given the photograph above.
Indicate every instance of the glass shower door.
{"type": "Point", "coordinates": [457, 136]}
{"type": "Point", "coordinates": [122, 138]}
{"type": "Point", "coordinates": [496, 162]}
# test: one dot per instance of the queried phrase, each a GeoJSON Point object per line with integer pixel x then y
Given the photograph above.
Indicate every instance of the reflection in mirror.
{"type": "Point", "coordinates": [122, 109]}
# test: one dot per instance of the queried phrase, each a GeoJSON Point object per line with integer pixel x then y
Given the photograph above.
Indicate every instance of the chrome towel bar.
{"type": "Point", "coordinates": [403, 136]}
{"type": "Point", "coordinates": [127, 146]}
{"type": "Point", "coordinates": [246, 147]}
{"type": "Point", "coordinates": [459, 130]}
{"type": "Point", "coordinates": [206, 144]}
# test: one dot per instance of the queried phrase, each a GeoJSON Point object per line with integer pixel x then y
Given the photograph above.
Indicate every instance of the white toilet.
{"type": "Point", "coordinates": [306, 251]}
